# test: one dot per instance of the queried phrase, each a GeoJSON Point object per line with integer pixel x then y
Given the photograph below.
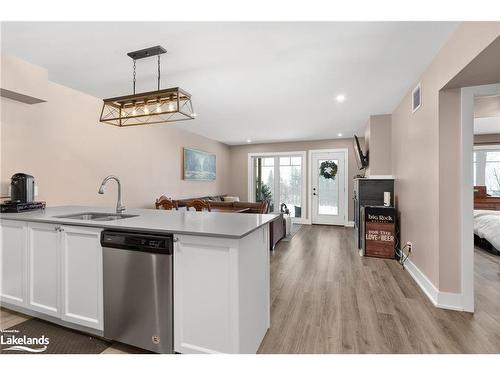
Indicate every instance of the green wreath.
{"type": "Point", "coordinates": [328, 169]}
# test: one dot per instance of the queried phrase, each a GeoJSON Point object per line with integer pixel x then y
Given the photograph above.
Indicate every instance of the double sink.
{"type": "Point", "coordinates": [95, 216]}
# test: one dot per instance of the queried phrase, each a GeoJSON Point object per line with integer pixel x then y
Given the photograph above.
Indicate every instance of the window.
{"type": "Point", "coordinates": [280, 178]}
{"type": "Point", "coordinates": [487, 169]}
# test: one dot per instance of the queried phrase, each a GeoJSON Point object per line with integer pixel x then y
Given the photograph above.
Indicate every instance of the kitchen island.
{"type": "Point", "coordinates": [52, 269]}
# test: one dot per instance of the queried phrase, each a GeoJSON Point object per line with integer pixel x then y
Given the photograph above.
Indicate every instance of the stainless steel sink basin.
{"type": "Point", "coordinates": [96, 216]}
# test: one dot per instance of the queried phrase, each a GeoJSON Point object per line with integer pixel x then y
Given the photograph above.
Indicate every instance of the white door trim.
{"type": "Point", "coordinates": [250, 177]}
{"type": "Point", "coordinates": [466, 193]}
{"type": "Point", "coordinates": [346, 182]}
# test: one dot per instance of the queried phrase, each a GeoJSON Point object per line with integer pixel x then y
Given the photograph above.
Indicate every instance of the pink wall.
{"type": "Point", "coordinates": [378, 142]}
{"type": "Point", "coordinates": [239, 162]}
{"type": "Point", "coordinates": [417, 164]}
{"type": "Point", "coordinates": [69, 152]}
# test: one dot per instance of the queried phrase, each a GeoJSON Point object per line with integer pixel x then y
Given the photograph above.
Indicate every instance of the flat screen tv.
{"type": "Point", "coordinates": [361, 158]}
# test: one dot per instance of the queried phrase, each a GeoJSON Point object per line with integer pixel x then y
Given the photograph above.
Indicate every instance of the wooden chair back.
{"type": "Point", "coordinates": [198, 205]}
{"type": "Point", "coordinates": [264, 207]}
{"type": "Point", "coordinates": [166, 203]}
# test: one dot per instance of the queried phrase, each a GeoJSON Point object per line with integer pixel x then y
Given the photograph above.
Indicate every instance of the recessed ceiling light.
{"type": "Point", "coordinates": [339, 135]}
{"type": "Point", "coordinates": [340, 98]}
{"type": "Point", "coordinates": [249, 141]}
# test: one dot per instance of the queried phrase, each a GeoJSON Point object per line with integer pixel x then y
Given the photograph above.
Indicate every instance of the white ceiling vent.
{"type": "Point", "coordinates": [416, 98]}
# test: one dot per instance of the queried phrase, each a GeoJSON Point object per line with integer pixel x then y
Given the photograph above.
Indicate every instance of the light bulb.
{"type": "Point", "coordinates": [134, 112]}
{"type": "Point", "coordinates": [146, 110]}
{"type": "Point", "coordinates": [170, 107]}
{"type": "Point", "coordinates": [340, 98]}
{"type": "Point", "coordinates": [158, 108]}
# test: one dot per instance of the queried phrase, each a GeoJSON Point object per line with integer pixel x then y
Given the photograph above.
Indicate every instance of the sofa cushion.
{"type": "Point", "coordinates": [230, 198]}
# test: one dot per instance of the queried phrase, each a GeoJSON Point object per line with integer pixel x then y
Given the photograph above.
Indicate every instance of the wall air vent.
{"type": "Point", "coordinates": [416, 98]}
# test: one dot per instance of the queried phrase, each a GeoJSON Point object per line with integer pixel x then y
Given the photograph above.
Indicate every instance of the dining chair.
{"type": "Point", "coordinates": [166, 203]}
{"type": "Point", "coordinates": [198, 205]}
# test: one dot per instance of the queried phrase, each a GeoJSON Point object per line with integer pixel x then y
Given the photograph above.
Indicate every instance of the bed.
{"type": "Point", "coordinates": [487, 230]}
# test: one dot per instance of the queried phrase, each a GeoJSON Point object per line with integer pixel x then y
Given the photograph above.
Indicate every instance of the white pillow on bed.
{"type": "Point", "coordinates": [487, 226]}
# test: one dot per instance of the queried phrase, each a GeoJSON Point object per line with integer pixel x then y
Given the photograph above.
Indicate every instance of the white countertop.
{"type": "Point", "coordinates": [213, 224]}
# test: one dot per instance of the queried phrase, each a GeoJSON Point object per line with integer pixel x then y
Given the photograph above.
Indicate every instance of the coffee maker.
{"type": "Point", "coordinates": [22, 188]}
{"type": "Point", "coordinates": [22, 195]}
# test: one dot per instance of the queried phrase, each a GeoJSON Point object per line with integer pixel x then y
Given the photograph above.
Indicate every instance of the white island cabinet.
{"type": "Point", "coordinates": [81, 276]}
{"type": "Point", "coordinates": [43, 268]}
{"type": "Point", "coordinates": [13, 255]}
{"type": "Point", "coordinates": [52, 270]}
{"type": "Point", "coordinates": [221, 293]}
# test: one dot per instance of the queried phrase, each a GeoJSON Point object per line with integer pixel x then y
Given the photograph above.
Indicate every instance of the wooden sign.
{"type": "Point", "coordinates": [380, 232]}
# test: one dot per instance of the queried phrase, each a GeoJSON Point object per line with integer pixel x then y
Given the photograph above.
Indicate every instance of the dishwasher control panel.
{"type": "Point", "coordinates": [162, 244]}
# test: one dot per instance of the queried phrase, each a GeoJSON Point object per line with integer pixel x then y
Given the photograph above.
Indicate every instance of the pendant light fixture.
{"type": "Point", "coordinates": [152, 107]}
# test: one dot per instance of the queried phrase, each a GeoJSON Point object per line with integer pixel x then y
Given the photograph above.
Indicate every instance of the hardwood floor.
{"type": "Point", "coordinates": [327, 299]}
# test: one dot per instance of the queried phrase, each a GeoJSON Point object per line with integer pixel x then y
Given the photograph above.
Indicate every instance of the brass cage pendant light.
{"type": "Point", "coordinates": [154, 107]}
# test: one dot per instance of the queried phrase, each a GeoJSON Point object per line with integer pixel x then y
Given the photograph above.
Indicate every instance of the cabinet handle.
{"type": "Point", "coordinates": [176, 239]}
{"type": "Point", "coordinates": [57, 229]}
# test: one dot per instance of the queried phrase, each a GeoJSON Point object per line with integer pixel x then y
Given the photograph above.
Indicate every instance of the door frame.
{"type": "Point", "coordinates": [310, 153]}
{"type": "Point", "coordinates": [250, 177]}
{"type": "Point", "coordinates": [466, 194]}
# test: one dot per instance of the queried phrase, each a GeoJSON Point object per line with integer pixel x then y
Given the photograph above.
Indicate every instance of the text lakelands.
{"type": "Point", "coordinates": [24, 340]}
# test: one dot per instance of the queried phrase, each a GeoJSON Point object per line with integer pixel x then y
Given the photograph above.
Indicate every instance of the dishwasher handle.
{"type": "Point", "coordinates": [144, 242]}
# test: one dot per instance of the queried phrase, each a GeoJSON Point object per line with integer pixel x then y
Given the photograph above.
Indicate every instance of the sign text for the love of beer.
{"type": "Point", "coordinates": [379, 235]}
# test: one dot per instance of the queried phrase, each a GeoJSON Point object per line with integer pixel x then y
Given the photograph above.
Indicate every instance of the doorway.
{"type": "Point", "coordinates": [472, 173]}
{"type": "Point", "coordinates": [327, 194]}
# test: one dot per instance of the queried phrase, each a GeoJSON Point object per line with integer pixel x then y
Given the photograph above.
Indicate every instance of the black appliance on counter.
{"type": "Point", "coordinates": [22, 188]}
{"type": "Point", "coordinates": [22, 195]}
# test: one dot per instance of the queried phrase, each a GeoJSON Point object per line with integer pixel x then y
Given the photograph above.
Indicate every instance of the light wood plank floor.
{"type": "Point", "coordinates": [327, 299]}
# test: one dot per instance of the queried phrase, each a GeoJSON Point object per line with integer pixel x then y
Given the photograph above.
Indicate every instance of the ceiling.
{"type": "Point", "coordinates": [265, 82]}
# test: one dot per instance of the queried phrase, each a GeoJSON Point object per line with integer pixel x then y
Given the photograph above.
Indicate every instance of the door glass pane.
{"type": "Point", "coordinates": [291, 187]}
{"type": "Point", "coordinates": [328, 192]}
{"type": "Point", "coordinates": [264, 184]}
{"type": "Point", "coordinates": [285, 160]}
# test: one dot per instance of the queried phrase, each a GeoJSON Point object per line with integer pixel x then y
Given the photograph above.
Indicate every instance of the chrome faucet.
{"type": "Point", "coordinates": [119, 207]}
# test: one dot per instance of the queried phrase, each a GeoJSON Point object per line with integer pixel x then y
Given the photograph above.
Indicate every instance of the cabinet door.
{"type": "Point", "coordinates": [82, 290]}
{"type": "Point", "coordinates": [205, 289]}
{"type": "Point", "coordinates": [13, 262]}
{"type": "Point", "coordinates": [43, 268]}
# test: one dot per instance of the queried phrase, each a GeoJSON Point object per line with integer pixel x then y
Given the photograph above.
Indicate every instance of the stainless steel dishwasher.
{"type": "Point", "coordinates": [138, 293]}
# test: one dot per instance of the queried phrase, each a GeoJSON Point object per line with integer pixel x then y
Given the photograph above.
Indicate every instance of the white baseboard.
{"type": "Point", "coordinates": [450, 301]}
{"type": "Point", "coordinates": [444, 300]}
{"type": "Point", "coordinates": [349, 224]}
{"type": "Point", "coordinates": [298, 220]}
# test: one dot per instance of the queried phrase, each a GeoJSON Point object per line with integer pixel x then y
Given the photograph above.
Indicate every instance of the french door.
{"type": "Point", "coordinates": [328, 194]}
{"type": "Point", "coordinates": [279, 179]}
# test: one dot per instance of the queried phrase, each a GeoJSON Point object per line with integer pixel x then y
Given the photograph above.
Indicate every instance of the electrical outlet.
{"type": "Point", "coordinates": [409, 246]}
